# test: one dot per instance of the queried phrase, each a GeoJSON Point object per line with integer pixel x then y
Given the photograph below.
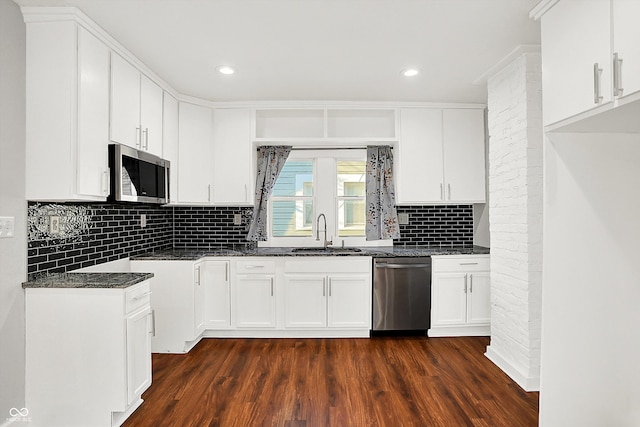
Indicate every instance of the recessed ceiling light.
{"type": "Point", "coordinates": [226, 69]}
{"type": "Point", "coordinates": [410, 72]}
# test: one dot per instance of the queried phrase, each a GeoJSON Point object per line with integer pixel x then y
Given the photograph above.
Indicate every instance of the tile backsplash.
{"type": "Point", "coordinates": [437, 225]}
{"type": "Point", "coordinates": [210, 227]}
{"type": "Point", "coordinates": [67, 236]}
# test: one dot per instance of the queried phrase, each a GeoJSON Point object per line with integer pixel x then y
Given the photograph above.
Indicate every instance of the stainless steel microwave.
{"type": "Point", "coordinates": [138, 176]}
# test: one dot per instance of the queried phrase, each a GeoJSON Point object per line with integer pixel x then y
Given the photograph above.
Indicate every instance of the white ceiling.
{"type": "Point", "coordinates": [339, 50]}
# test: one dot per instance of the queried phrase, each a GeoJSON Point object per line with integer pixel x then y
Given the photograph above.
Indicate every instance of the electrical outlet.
{"type": "Point", "coordinates": [403, 218]}
{"type": "Point", "coordinates": [237, 219]}
{"type": "Point", "coordinates": [7, 227]}
{"type": "Point", "coordinates": [54, 224]}
{"type": "Point", "coordinates": [143, 220]}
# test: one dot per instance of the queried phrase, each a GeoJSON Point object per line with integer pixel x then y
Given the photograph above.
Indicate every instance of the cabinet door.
{"type": "Point", "coordinates": [217, 301]}
{"type": "Point", "coordinates": [138, 353]}
{"type": "Point", "coordinates": [626, 33]}
{"type": "Point", "coordinates": [198, 299]}
{"type": "Point", "coordinates": [419, 171]}
{"type": "Point", "coordinates": [125, 102]}
{"type": "Point", "coordinates": [255, 303]}
{"type": "Point", "coordinates": [170, 142]}
{"type": "Point", "coordinates": [464, 164]}
{"type": "Point", "coordinates": [449, 300]}
{"type": "Point", "coordinates": [575, 36]}
{"type": "Point", "coordinates": [305, 301]}
{"type": "Point", "coordinates": [233, 156]}
{"type": "Point", "coordinates": [151, 116]}
{"type": "Point", "coordinates": [195, 150]}
{"type": "Point", "coordinates": [93, 116]}
{"type": "Point", "coordinates": [349, 301]}
{"type": "Point", "coordinates": [478, 298]}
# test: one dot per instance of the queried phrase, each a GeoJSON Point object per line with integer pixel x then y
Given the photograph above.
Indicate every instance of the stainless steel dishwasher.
{"type": "Point", "coordinates": [401, 295]}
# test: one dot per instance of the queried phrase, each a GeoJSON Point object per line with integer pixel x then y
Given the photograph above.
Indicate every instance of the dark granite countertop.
{"type": "Point", "coordinates": [372, 251]}
{"type": "Point", "coordinates": [87, 280]}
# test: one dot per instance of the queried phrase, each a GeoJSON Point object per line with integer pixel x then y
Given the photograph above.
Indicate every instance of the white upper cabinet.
{"type": "Point", "coordinates": [67, 113]}
{"type": "Point", "coordinates": [419, 160]}
{"type": "Point", "coordinates": [136, 108]}
{"type": "Point", "coordinates": [464, 162]}
{"type": "Point", "coordinates": [233, 157]}
{"type": "Point", "coordinates": [170, 142]}
{"type": "Point", "coordinates": [576, 58]}
{"type": "Point", "coordinates": [626, 46]}
{"type": "Point", "coordinates": [195, 154]}
{"type": "Point", "coordinates": [441, 156]}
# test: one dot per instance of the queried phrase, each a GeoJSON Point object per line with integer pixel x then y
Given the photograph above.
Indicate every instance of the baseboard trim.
{"type": "Point", "coordinates": [527, 383]}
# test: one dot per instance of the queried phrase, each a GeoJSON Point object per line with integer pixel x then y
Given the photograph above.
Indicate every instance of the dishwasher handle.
{"type": "Point", "coordinates": [403, 266]}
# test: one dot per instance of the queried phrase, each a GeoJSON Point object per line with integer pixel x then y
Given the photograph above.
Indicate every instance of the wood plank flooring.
{"type": "Point", "coordinates": [395, 382]}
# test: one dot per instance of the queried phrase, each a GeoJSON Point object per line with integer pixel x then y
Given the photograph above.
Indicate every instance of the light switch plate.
{"type": "Point", "coordinates": [403, 218]}
{"type": "Point", "coordinates": [7, 226]}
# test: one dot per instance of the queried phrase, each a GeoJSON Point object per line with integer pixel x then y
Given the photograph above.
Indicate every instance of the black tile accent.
{"type": "Point", "coordinates": [113, 233]}
{"type": "Point", "coordinates": [207, 227]}
{"type": "Point", "coordinates": [437, 225]}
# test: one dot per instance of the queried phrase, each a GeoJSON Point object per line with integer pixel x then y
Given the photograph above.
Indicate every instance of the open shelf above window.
{"type": "Point", "coordinates": [325, 124]}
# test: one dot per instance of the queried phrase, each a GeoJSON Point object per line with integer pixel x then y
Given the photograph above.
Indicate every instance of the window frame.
{"type": "Point", "coordinates": [325, 200]}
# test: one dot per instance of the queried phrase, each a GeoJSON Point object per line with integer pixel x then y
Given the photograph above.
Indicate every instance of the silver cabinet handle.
{"type": "Point", "coordinates": [209, 192]}
{"type": "Point", "coordinates": [139, 297]}
{"type": "Point", "coordinates": [324, 286]}
{"type": "Point", "coordinates": [470, 282]}
{"type": "Point", "coordinates": [105, 182]}
{"type": "Point", "coordinates": [254, 266]}
{"type": "Point", "coordinates": [271, 280]}
{"type": "Point", "coordinates": [198, 275]}
{"type": "Point", "coordinates": [153, 323]}
{"type": "Point", "coordinates": [330, 286]}
{"type": "Point", "coordinates": [246, 193]}
{"type": "Point", "coordinates": [145, 146]}
{"type": "Point", "coordinates": [465, 283]}
{"type": "Point", "coordinates": [138, 137]}
{"type": "Point", "coordinates": [617, 75]}
{"type": "Point", "coordinates": [468, 263]}
{"type": "Point", "coordinates": [441, 191]}
{"type": "Point", "coordinates": [226, 272]}
{"type": "Point", "coordinates": [597, 74]}
{"type": "Point", "coordinates": [449, 188]}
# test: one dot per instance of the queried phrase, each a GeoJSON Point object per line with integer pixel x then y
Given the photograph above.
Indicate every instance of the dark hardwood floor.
{"type": "Point", "coordinates": [400, 381]}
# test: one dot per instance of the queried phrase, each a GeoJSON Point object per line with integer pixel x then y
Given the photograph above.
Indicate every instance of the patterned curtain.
{"type": "Point", "coordinates": [270, 163]}
{"type": "Point", "coordinates": [382, 218]}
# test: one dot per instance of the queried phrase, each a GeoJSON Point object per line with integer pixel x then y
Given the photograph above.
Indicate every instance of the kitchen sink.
{"type": "Point", "coordinates": [316, 249]}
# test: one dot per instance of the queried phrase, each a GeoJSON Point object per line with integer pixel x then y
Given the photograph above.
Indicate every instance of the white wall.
{"type": "Point", "coordinates": [13, 251]}
{"type": "Point", "coordinates": [590, 374]}
{"type": "Point", "coordinates": [515, 217]}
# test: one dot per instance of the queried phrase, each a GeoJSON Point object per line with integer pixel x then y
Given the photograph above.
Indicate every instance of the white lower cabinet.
{"type": "Point", "coordinates": [177, 300]}
{"type": "Point", "coordinates": [217, 294]}
{"type": "Point", "coordinates": [88, 354]}
{"type": "Point", "coordinates": [327, 293]}
{"type": "Point", "coordinates": [460, 300]}
{"type": "Point", "coordinates": [254, 302]}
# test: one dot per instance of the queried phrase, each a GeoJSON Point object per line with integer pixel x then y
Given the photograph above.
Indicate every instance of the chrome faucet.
{"type": "Point", "coordinates": [326, 242]}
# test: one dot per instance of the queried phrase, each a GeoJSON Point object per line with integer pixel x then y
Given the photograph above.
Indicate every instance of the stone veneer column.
{"type": "Point", "coordinates": [515, 218]}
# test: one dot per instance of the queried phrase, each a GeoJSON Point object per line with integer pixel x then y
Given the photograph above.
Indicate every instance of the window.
{"type": "Point", "coordinates": [314, 182]}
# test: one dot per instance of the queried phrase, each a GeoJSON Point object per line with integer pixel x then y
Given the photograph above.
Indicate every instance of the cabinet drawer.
{"type": "Point", "coordinates": [461, 264]}
{"type": "Point", "coordinates": [255, 266]}
{"type": "Point", "coordinates": [137, 296]}
{"type": "Point", "coordinates": [346, 264]}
